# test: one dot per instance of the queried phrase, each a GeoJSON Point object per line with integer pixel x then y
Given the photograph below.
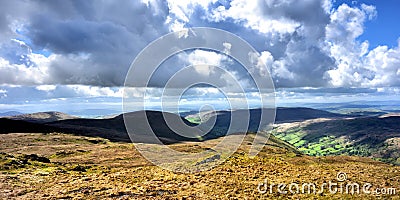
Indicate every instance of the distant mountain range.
{"type": "Point", "coordinates": [42, 117]}
{"type": "Point", "coordinates": [10, 113]}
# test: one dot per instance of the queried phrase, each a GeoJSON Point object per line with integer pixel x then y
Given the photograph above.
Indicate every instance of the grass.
{"type": "Point", "coordinates": [369, 137]}
{"type": "Point", "coordinates": [195, 120]}
{"type": "Point", "coordinates": [117, 171]}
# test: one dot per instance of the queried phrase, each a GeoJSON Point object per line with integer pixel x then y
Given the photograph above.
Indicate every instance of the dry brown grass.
{"type": "Point", "coordinates": [93, 168]}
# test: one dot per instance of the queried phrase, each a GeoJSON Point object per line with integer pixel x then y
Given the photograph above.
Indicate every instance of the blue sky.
{"type": "Point", "coordinates": [382, 30]}
{"type": "Point", "coordinates": [73, 56]}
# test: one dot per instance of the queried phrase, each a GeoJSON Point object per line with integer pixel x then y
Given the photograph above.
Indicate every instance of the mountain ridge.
{"type": "Point", "coordinates": [42, 117]}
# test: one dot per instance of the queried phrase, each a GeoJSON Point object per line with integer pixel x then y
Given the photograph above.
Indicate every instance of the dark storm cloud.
{"type": "Point", "coordinates": [75, 26]}
{"type": "Point", "coordinates": [95, 41]}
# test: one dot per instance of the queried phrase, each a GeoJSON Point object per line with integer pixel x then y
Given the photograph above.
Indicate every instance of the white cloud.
{"type": "Point", "coordinates": [46, 88]}
{"type": "Point", "coordinates": [252, 15]}
{"type": "Point", "coordinates": [355, 65]}
{"type": "Point", "coordinates": [93, 91]}
{"type": "Point", "coordinates": [346, 24]}
{"type": "Point", "coordinates": [384, 63]}
{"type": "Point", "coordinates": [227, 47]}
{"type": "Point", "coordinates": [204, 62]}
{"type": "Point", "coordinates": [370, 11]}
{"type": "Point", "coordinates": [3, 93]}
{"type": "Point", "coordinates": [262, 63]}
{"type": "Point", "coordinates": [182, 12]}
{"type": "Point", "coordinates": [20, 74]}
{"type": "Point", "coordinates": [302, 43]}
{"type": "Point", "coordinates": [203, 57]}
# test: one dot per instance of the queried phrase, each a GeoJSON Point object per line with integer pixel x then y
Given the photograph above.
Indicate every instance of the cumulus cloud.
{"type": "Point", "coordinates": [302, 43]}
{"type": "Point", "coordinates": [303, 48]}
{"type": "Point", "coordinates": [292, 36]}
{"type": "Point", "coordinates": [356, 65]}
{"type": "Point", "coordinates": [204, 61]}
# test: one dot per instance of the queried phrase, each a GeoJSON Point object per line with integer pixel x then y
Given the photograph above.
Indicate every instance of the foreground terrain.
{"type": "Point", "coordinates": [54, 165]}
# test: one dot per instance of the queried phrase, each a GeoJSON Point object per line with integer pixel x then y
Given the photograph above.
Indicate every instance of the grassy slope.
{"type": "Point", "coordinates": [91, 168]}
{"type": "Point", "coordinates": [372, 137]}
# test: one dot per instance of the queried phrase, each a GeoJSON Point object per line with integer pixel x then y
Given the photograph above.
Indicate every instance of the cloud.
{"type": "Point", "coordinates": [302, 48]}
{"type": "Point", "coordinates": [384, 63]}
{"type": "Point", "coordinates": [356, 66]}
{"type": "Point", "coordinates": [294, 36]}
{"type": "Point", "coordinates": [21, 74]}
{"type": "Point", "coordinates": [90, 91]}
{"type": "Point", "coordinates": [204, 61]}
{"type": "Point", "coordinates": [3, 93]}
{"type": "Point", "coordinates": [46, 88]}
{"type": "Point", "coordinates": [302, 43]}
{"type": "Point", "coordinates": [90, 42]}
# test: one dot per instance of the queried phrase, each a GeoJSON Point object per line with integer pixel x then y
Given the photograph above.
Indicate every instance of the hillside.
{"type": "Point", "coordinates": [313, 132]}
{"type": "Point", "coordinates": [282, 114]}
{"type": "Point", "coordinates": [222, 118]}
{"type": "Point", "coordinates": [18, 126]}
{"type": "Point", "coordinates": [115, 130]}
{"type": "Point", "coordinates": [62, 166]}
{"type": "Point", "coordinates": [376, 137]}
{"type": "Point", "coordinates": [42, 117]}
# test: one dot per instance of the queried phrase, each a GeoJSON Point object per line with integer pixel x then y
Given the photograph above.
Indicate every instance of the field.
{"type": "Point", "coordinates": [375, 137]}
{"type": "Point", "coordinates": [36, 166]}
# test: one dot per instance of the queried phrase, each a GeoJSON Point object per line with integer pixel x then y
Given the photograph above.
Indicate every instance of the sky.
{"type": "Point", "coordinates": [73, 56]}
{"type": "Point", "coordinates": [381, 29]}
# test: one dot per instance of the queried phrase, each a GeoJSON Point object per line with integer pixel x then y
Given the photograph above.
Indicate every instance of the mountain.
{"type": "Point", "coordinates": [10, 113]}
{"type": "Point", "coordinates": [376, 137]}
{"type": "Point", "coordinates": [18, 126]}
{"type": "Point", "coordinates": [282, 114]}
{"type": "Point", "coordinates": [222, 118]}
{"type": "Point", "coordinates": [301, 114]}
{"type": "Point", "coordinates": [42, 117]}
{"type": "Point", "coordinates": [313, 132]}
{"type": "Point", "coordinates": [114, 128]}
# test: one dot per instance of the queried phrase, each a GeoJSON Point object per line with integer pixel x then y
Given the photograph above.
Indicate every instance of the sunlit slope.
{"type": "Point", "coordinates": [376, 137]}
